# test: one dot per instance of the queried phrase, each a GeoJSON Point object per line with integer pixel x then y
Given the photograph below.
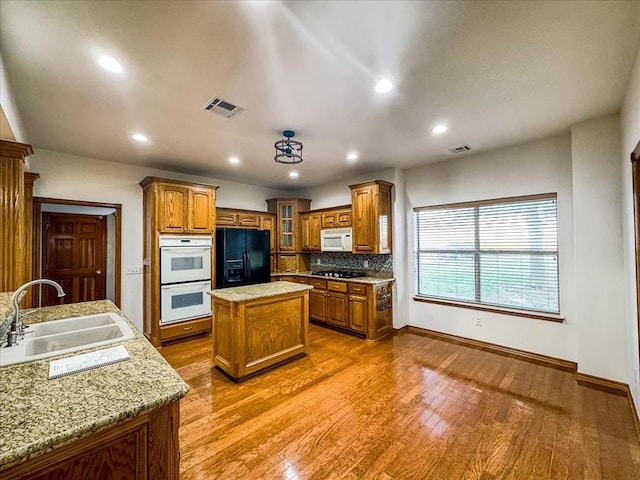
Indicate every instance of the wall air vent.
{"type": "Point", "coordinates": [223, 108]}
{"type": "Point", "coordinates": [460, 149]}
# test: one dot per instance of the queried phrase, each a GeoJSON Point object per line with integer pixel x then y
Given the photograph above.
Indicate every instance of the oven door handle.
{"type": "Point", "coordinates": [184, 287]}
{"type": "Point", "coordinates": [183, 250]}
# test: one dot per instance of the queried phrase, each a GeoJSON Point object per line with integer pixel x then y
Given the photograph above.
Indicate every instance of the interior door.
{"type": "Point", "coordinates": [74, 256]}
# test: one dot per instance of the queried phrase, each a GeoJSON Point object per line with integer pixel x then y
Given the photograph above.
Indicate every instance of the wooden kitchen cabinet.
{"type": "Point", "coordinates": [268, 222]}
{"type": "Point", "coordinates": [172, 206]}
{"type": "Point", "coordinates": [318, 300]}
{"type": "Point", "coordinates": [143, 448]}
{"type": "Point", "coordinates": [310, 225]}
{"type": "Point", "coordinates": [338, 218]}
{"type": "Point", "coordinates": [183, 208]}
{"type": "Point", "coordinates": [15, 231]}
{"type": "Point", "coordinates": [371, 217]}
{"type": "Point", "coordinates": [290, 257]}
{"type": "Point", "coordinates": [362, 309]}
{"type": "Point", "coordinates": [337, 309]}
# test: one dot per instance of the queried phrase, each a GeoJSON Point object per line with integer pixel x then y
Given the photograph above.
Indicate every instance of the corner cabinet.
{"type": "Point", "coordinates": [371, 217]}
{"type": "Point", "coordinates": [172, 207]}
{"type": "Point", "coordinates": [289, 256]}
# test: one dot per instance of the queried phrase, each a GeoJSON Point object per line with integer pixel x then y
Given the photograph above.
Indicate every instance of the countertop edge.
{"type": "Point", "coordinates": [47, 443]}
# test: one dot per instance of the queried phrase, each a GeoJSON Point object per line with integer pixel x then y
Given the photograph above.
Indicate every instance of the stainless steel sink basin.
{"type": "Point", "coordinates": [64, 336]}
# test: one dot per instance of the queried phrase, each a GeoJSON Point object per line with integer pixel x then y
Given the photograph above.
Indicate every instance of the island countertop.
{"type": "Point", "coordinates": [260, 290]}
{"type": "Point", "coordinates": [39, 414]}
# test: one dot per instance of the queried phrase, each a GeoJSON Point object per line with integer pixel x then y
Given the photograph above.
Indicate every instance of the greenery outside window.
{"type": "Point", "coordinates": [501, 253]}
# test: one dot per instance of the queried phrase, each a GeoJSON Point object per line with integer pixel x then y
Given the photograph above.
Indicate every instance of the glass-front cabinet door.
{"type": "Point", "coordinates": [286, 227]}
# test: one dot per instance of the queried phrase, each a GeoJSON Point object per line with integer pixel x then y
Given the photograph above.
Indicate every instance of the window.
{"type": "Point", "coordinates": [500, 253]}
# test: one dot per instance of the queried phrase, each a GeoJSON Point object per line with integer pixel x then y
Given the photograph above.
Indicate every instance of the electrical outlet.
{"type": "Point", "coordinates": [366, 264]}
{"type": "Point", "coordinates": [134, 271]}
{"type": "Point", "coordinates": [478, 321]}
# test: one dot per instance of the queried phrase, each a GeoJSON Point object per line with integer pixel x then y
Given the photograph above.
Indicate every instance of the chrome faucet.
{"type": "Point", "coordinates": [16, 327]}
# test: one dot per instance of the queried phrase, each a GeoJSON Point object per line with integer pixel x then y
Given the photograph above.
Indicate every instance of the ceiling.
{"type": "Point", "coordinates": [497, 73]}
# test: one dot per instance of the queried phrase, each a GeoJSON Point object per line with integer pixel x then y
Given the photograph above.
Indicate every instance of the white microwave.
{"type": "Point", "coordinates": [336, 240]}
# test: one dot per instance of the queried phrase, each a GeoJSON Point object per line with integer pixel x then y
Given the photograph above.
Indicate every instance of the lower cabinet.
{"type": "Point", "coordinates": [337, 311]}
{"type": "Point", "coordinates": [145, 447]}
{"type": "Point", "coordinates": [183, 329]}
{"type": "Point", "coordinates": [318, 300]}
{"type": "Point", "coordinates": [357, 313]}
{"type": "Point", "coordinates": [359, 308]}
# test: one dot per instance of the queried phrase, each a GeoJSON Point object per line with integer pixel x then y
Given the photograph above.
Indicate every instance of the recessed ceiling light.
{"type": "Point", "coordinates": [235, 160]}
{"type": "Point", "coordinates": [293, 174]}
{"type": "Point", "coordinates": [352, 156]}
{"type": "Point", "coordinates": [139, 137]}
{"type": "Point", "coordinates": [384, 86]}
{"type": "Point", "coordinates": [439, 129]}
{"type": "Point", "coordinates": [110, 64]}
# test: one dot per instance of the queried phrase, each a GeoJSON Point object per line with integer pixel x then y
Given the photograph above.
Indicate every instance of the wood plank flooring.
{"type": "Point", "coordinates": [409, 407]}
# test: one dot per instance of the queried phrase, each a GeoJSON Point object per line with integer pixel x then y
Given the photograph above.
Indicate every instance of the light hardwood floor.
{"type": "Point", "coordinates": [409, 407]}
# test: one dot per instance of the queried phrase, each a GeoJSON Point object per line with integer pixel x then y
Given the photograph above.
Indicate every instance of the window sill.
{"type": "Point", "coordinates": [488, 308]}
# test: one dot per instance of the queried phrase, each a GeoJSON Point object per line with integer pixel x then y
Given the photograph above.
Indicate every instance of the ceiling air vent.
{"type": "Point", "coordinates": [460, 149]}
{"type": "Point", "coordinates": [223, 108]}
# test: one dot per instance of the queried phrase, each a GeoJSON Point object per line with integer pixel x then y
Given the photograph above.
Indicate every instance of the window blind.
{"type": "Point", "coordinates": [501, 253]}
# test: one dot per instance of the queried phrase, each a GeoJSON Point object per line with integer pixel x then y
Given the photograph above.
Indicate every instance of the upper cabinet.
{"type": "Point", "coordinates": [371, 208]}
{"type": "Point", "coordinates": [310, 225]}
{"type": "Point", "coordinates": [182, 207]}
{"type": "Point", "coordinates": [338, 218]}
{"type": "Point", "coordinates": [288, 221]}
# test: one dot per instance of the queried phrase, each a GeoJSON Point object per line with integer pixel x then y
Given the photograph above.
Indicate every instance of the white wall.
{"type": "Point", "coordinates": [597, 213]}
{"type": "Point", "coordinates": [71, 177]}
{"type": "Point", "coordinates": [539, 167]}
{"type": "Point", "coordinates": [9, 106]}
{"type": "Point", "coordinates": [630, 127]}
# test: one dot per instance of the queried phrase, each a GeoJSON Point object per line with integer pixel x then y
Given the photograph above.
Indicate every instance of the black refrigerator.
{"type": "Point", "coordinates": [242, 257]}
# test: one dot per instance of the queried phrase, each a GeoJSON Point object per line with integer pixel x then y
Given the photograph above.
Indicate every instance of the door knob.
{"type": "Point", "coordinates": [98, 272]}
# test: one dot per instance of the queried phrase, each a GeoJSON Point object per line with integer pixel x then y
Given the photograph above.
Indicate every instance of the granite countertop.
{"type": "Point", "coordinates": [39, 414]}
{"type": "Point", "coordinates": [369, 280]}
{"type": "Point", "coordinates": [261, 290]}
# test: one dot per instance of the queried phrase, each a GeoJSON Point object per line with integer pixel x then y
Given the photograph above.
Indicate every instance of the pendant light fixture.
{"type": "Point", "coordinates": [288, 151]}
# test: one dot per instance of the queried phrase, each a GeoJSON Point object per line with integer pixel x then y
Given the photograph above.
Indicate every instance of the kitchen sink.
{"type": "Point", "coordinates": [64, 336]}
{"type": "Point", "coordinates": [71, 324]}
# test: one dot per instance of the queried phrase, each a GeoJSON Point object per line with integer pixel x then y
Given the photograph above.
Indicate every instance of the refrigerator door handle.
{"type": "Point", "coordinates": [245, 262]}
{"type": "Point", "coordinates": [248, 266]}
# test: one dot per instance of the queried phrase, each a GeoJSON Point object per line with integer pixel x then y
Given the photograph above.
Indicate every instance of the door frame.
{"type": "Point", "coordinates": [635, 179]}
{"type": "Point", "coordinates": [37, 239]}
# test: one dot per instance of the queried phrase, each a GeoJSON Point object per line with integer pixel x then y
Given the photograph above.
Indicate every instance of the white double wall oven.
{"type": "Point", "coordinates": [185, 277]}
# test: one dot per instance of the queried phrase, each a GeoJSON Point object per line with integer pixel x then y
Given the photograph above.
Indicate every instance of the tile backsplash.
{"type": "Point", "coordinates": [375, 264]}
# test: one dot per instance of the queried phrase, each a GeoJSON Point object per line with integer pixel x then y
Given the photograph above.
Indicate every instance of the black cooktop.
{"type": "Point", "coordinates": [338, 274]}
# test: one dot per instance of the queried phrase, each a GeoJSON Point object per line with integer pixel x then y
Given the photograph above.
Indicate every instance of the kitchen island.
{"type": "Point", "coordinates": [257, 327]}
{"type": "Point", "coordinates": [116, 421]}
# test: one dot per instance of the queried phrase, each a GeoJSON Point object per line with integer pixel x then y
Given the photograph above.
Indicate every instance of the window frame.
{"type": "Point", "coordinates": [528, 313]}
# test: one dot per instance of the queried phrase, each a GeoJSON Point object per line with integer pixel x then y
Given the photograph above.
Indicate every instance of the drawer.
{"type": "Point", "coordinates": [226, 218]}
{"type": "Point", "coordinates": [248, 220]}
{"type": "Point", "coordinates": [357, 288]}
{"type": "Point", "coordinates": [182, 329]}
{"type": "Point", "coordinates": [317, 283]}
{"type": "Point", "coordinates": [300, 280]}
{"type": "Point", "coordinates": [337, 286]}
